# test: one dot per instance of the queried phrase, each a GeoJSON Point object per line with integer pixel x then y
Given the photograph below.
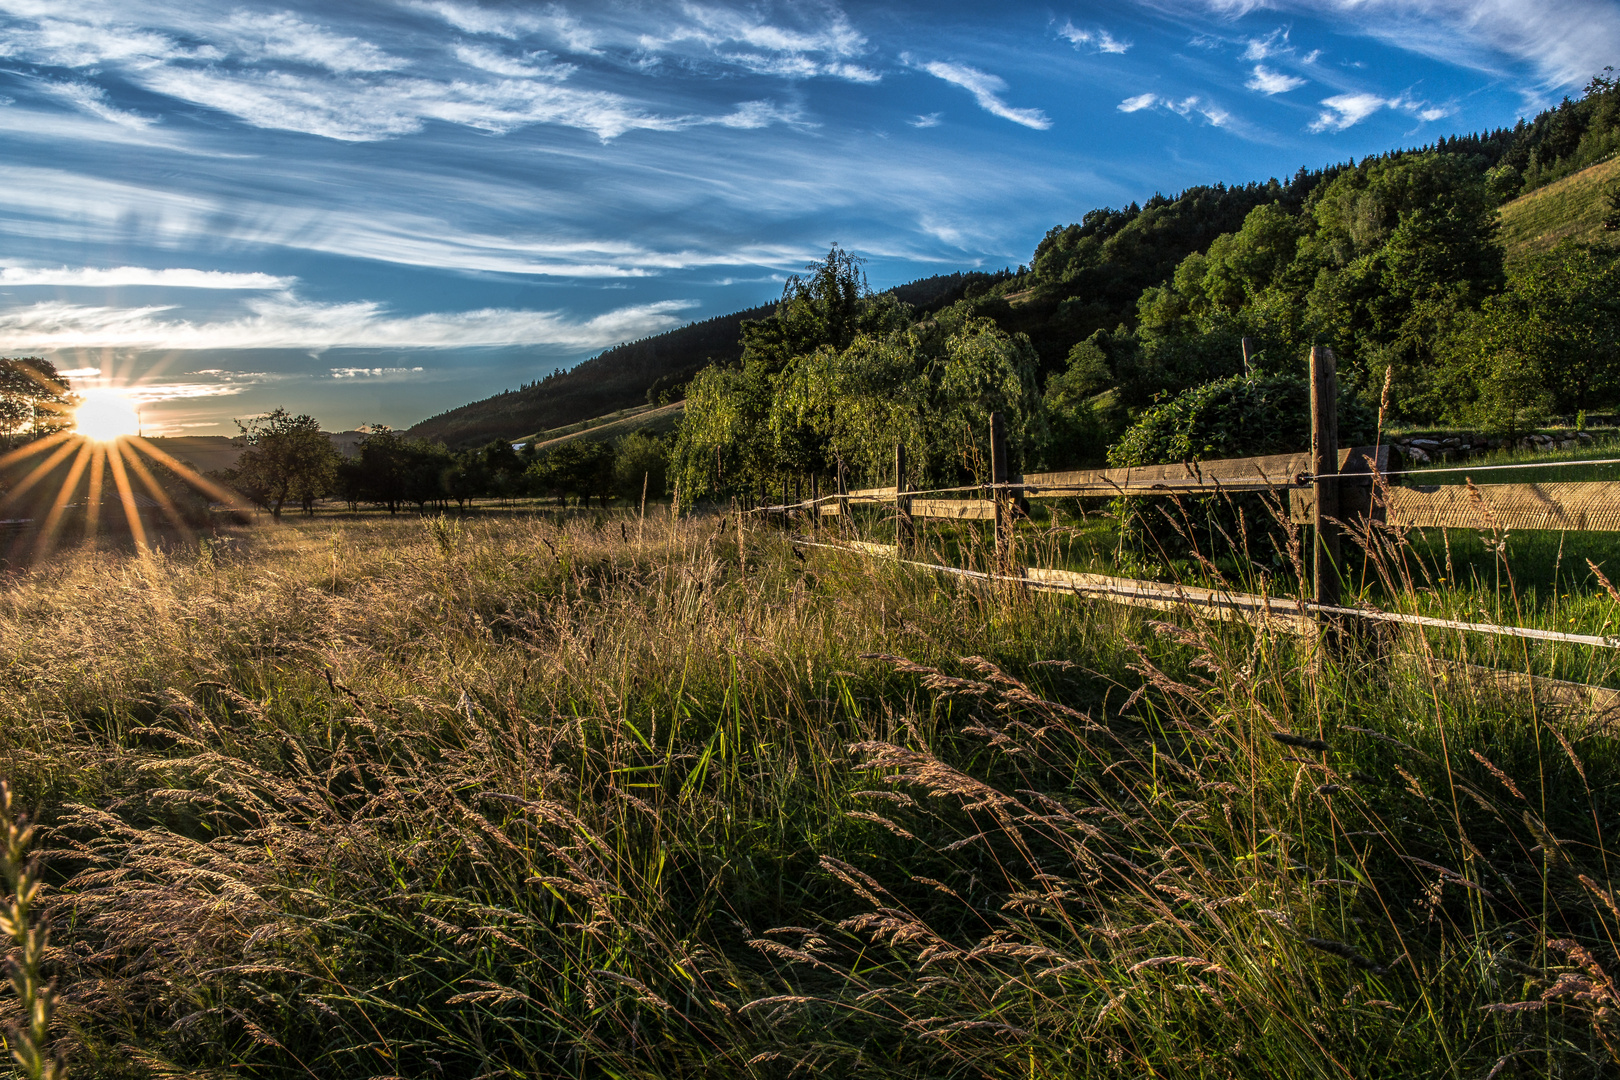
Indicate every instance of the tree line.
{"type": "Point", "coordinates": [288, 461]}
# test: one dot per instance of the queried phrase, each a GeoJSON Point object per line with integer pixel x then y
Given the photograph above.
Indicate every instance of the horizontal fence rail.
{"type": "Point", "coordinates": [1248, 607]}
{"type": "Point", "coordinates": [1580, 507]}
{"type": "Point", "coordinates": [1229, 474]}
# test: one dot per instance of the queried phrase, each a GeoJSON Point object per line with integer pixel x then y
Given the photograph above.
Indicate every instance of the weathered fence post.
{"type": "Point", "coordinates": [1000, 476]}
{"type": "Point", "coordinates": [815, 503]}
{"type": "Point", "coordinates": [1325, 469]}
{"type": "Point", "coordinates": [798, 494]}
{"type": "Point", "coordinates": [843, 501]}
{"type": "Point", "coordinates": [903, 528]}
{"type": "Point", "coordinates": [785, 511]}
{"type": "Point", "coordinates": [1248, 354]}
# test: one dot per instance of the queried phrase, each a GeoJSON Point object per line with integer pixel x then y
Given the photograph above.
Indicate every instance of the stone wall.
{"type": "Point", "coordinates": [1424, 449]}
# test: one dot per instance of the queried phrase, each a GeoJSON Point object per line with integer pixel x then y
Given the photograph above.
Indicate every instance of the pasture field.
{"type": "Point", "coordinates": [592, 797]}
{"type": "Point", "coordinates": [1571, 208]}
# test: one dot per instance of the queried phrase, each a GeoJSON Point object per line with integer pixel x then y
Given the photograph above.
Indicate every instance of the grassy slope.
{"type": "Point", "coordinates": [613, 380]}
{"type": "Point", "coordinates": [1571, 208]}
{"type": "Point", "coordinates": [424, 798]}
{"type": "Point", "coordinates": [653, 419]}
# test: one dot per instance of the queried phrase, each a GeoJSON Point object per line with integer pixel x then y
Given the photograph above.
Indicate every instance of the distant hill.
{"type": "Point", "coordinates": [622, 377]}
{"type": "Point", "coordinates": [216, 453]}
{"type": "Point", "coordinates": [619, 378]}
{"type": "Point", "coordinates": [1571, 208]}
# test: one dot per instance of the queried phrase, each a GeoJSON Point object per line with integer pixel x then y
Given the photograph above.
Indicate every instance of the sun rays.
{"type": "Point", "coordinates": [94, 454]}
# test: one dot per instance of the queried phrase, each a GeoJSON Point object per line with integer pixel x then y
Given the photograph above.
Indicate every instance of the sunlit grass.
{"type": "Point", "coordinates": [519, 796]}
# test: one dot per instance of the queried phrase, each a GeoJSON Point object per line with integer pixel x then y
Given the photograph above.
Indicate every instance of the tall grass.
{"type": "Point", "coordinates": [526, 798]}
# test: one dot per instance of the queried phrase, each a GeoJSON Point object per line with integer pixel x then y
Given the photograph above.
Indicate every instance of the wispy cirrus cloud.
{"type": "Point", "coordinates": [1099, 39]}
{"type": "Point", "coordinates": [1262, 48]}
{"type": "Point", "coordinates": [1273, 82]}
{"type": "Point", "coordinates": [986, 90]}
{"type": "Point", "coordinates": [1566, 40]}
{"type": "Point", "coordinates": [278, 71]}
{"type": "Point", "coordinates": [291, 323]}
{"type": "Point", "coordinates": [1187, 107]}
{"type": "Point", "coordinates": [92, 99]}
{"type": "Point", "coordinates": [281, 35]}
{"type": "Point", "coordinates": [371, 372]}
{"type": "Point", "coordinates": [1346, 110]}
{"type": "Point", "coordinates": [170, 278]}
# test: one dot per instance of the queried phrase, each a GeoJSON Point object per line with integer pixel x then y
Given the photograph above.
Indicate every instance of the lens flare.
{"type": "Point", "coordinates": [105, 415]}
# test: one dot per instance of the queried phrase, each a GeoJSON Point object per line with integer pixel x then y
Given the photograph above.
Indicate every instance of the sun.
{"type": "Point", "coordinates": [105, 415]}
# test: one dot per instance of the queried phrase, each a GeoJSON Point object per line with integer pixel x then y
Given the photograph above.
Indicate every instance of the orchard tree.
{"type": "Point", "coordinates": [34, 398]}
{"type": "Point", "coordinates": [287, 458]}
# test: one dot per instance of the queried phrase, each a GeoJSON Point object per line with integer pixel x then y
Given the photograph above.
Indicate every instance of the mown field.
{"type": "Point", "coordinates": [1571, 208]}
{"type": "Point", "coordinates": [530, 796]}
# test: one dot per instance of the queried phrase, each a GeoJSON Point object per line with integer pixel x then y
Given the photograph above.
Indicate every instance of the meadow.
{"type": "Point", "coordinates": [592, 796]}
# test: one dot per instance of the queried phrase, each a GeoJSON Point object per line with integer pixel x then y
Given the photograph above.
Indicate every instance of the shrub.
{"type": "Point", "coordinates": [1237, 416]}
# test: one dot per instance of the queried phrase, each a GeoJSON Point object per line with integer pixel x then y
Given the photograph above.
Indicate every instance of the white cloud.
{"type": "Point", "coordinates": [496, 62]}
{"type": "Point", "coordinates": [758, 114]}
{"type": "Point", "coordinates": [54, 205]}
{"type": "Point", "coordinates": [370, 372]}
{"type": "Point", "coordinates": [79, 373]}
{"type": "Point", "coordinates": [1101, 40]}
{"type": "Point", "coordinates": [1273, 82]}
{"type": "Point", "coordinates": [929, 120]}
{"type": "Point", "coordinates": [290, 323]}
{"type": "Point", "coordinates": [173, 278]}
{"type": "Point", "coordinates": [1271, 45]}
{"type": "Point", "coordinates": [1311, 57]}
{"type": "Point", "coordinates": [1566, 40]}
{"type": "Point", "coordinates": [93, 100]}
{"type": "Point", "coordinates": [986, 90]}
{"type": "Point", "coordinates": [799, 42]}
{"type": "Point", "coordinates": [1185, 107]}
{"type": "Point", "coordinates": [284, 36]}
{"type": "Point", "coordinates": [354, 110]}
{"type": "Point", "coordinates": [65, 42]}
{"type": "Point", "coordinates": [1346, 110]}
{"type": "Point", "coordinates": [147, 393]}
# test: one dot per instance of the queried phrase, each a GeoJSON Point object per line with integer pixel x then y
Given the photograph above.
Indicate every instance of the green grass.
{"type": "Point", "coordinates": [1571, 208]}
{"type": "Point", "coordinates": [525, 797]}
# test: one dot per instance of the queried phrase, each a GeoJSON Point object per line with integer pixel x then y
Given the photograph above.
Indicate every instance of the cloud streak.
{"type": "Point", "coordinates": [1566, 40]}
{"type": "Point", "coordinates": [1343, 111]}
{"type": "Point", "coordinates": [177, 278]}
{"type": "Point", "coordinates": [1273, 82]}
{"type": "Point", "coordinates": [986, 90]}
{"type": "Point", "coordinates": [289, 323]}
{"type": "Point", "coordinates": [1184, 107]}
{"type": "Point", "coordinates": [1100, 40]}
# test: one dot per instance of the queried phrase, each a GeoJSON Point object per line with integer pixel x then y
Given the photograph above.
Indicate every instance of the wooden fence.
{"type": "Point", "coordinates": [1327, 488]}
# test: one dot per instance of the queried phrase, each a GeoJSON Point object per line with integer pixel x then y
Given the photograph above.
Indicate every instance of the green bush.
{"type": "Point", "coordinates": [1239, 416]}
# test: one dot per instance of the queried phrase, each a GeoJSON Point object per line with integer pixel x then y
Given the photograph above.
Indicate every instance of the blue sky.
{"type": "Point", "coordinates": [376, 211]}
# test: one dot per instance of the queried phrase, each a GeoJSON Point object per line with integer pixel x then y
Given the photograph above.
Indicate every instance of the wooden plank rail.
{"type": "Point", "coordinates": [1214, 603]}
{"type": "Point", "coordinates": [954, 509]}
{"type": "Point", "coordinates": [1582, 507]}
{"type": "Point", "coordinates": [1235, 474]}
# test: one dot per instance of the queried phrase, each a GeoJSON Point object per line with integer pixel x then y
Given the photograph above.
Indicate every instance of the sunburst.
{"type": "Point", "coordinates": [99, 430]}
